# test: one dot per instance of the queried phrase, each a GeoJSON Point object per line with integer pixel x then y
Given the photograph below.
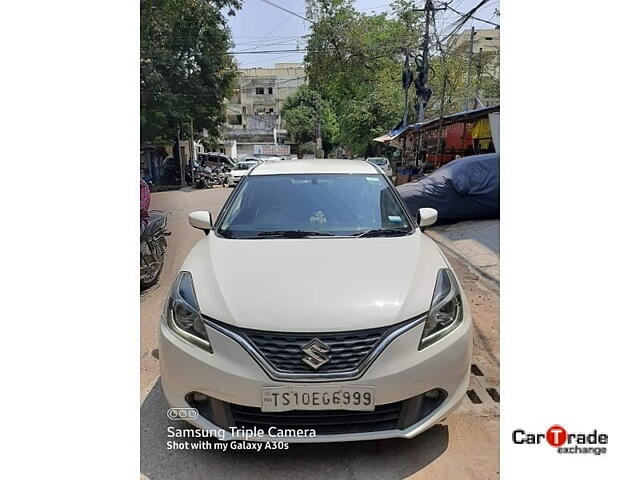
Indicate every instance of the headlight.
{"type": "Point", "coordinates": [445, 313]}
{"type": "Point", "coordinates": [183, 313]}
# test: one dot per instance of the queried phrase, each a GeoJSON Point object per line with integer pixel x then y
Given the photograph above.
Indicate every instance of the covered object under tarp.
{"type": "Point", "coordinates": [467, 188]}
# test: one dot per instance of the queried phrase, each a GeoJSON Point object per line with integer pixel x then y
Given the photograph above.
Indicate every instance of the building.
{"type": "Point", "coordinates": [484, 40]}
{"type": "Point", "coordinates": [486, 54]}
{"type": "Point", "coordinates": [253, 112]}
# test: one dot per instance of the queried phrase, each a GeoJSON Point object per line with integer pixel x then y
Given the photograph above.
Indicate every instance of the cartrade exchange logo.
{"type": "Point", "coordinates": [556, 436]}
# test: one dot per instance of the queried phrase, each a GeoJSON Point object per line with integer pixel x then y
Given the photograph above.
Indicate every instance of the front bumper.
{"type": "Point", "coordinates": [401, 372]}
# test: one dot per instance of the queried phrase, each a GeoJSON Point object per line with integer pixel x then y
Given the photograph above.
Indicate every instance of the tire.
{"type": "Point", "coordinates": [144, 285]}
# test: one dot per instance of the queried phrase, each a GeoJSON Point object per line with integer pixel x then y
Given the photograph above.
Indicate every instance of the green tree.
{"type": "Point", "coordinates": [185, 70]}
{"type": "Point", "coordinates": [355, 62]}
{"type": "Point", "coordinates": [453, 63]}
{"type": "Point", "coordinates": [300, 114]}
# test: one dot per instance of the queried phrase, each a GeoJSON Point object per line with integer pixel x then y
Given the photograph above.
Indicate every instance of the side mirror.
{"type": "Point", "coordinates": [427, 217]}
{"type": "Point", "coordinates": [201, 220]}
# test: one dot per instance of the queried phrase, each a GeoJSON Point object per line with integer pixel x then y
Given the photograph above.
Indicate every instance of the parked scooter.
{"type": "Point", "coordinates": [223, 173]}
{"type": "Point", "coordinates": [153, 248]}
{"type": "Point", "coordinates": [207, 177]}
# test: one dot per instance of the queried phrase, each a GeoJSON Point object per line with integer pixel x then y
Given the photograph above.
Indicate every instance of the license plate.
{"type": "Point", "coordinates": [281, 399]}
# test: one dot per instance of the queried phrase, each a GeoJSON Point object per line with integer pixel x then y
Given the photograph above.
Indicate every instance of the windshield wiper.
{"type": "Point", "coordinates": [294, 234]}
{"type": "Point", "coordinates": [382, 232]}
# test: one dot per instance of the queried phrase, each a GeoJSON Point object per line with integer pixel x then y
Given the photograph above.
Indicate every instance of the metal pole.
{"type": "Point", "coordinates": [192, 151]}
{"type": "Point", "coordinates": [439, 149]}
{"type": "Point", "coordinates": [468, 87]}
{"type": "Point", "coordinates": [406, 84]}
{"type": "Point", "coordinates": [179, 161]}
{"type": "Point", "coordinates": [477, 92]}
{"type": "Point", "coordinates": [319, 137]}
{"type": "Point", "coordinates": [425, 59]}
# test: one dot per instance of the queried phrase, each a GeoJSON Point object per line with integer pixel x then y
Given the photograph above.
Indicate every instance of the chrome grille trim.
{"type": "Point", "coordinates": [393, 332]}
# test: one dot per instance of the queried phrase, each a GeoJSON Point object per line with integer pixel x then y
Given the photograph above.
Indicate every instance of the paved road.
{"type": "Point", "coordinates": [464, 447]}
{"type": "Point", "coordinates": [476, 243]}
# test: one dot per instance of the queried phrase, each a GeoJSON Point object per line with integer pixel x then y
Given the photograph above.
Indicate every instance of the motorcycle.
{"type": "Point", "coordinates": [153, 248]}
{"type": "Point", "coordinates": [207, 177]}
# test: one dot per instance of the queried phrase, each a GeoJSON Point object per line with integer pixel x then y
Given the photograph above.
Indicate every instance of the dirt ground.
{"type": "Point", "coordinates": [465, 446]}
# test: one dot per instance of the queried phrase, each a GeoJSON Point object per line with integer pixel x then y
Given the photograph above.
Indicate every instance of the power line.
{"type": "Point", "coordinates": [302, 50]}
{"type": "Point", "coordinates": [245, 52]}
{"type": "Point", "coordinates": [285, 10]}
{"type": "Point", "coordinates": [286, 43]}
{"type": "Point", "coordinates": [471, 16]}
{"type": "Point", "coordinates": [275, 37]}
{"type": "Point", "coordinates": [279, 25]}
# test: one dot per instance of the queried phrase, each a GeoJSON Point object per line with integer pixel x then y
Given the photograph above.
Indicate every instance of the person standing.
{"type": "Point", "coordinates": [145, 202]}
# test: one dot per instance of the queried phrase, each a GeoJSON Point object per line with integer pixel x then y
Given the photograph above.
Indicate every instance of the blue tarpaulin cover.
{"type": "Point", "coordinates": [467, 188]}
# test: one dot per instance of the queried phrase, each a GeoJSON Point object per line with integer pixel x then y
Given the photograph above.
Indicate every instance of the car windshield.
{"type": "Point", "coordinates": [307, 205]}
{"type": "Point", "coordinates": [378, 161]}
{"type": "Point", "coordinates": [244, 165]}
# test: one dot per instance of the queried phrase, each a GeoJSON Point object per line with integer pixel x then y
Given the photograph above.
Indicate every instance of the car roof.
{"type": "Point", "coordinates": [314, 166]}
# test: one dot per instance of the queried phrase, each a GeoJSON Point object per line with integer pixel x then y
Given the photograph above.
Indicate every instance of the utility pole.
{"type": "Point", "coordinates": [192, 151]}
{"type": "Point", "coordinates": [439, 146]}
{"type": "Point", "coordinates": [425, 60]}
{"type": "Point", "coordinates": [468, 87]}
{"type": "Point", "coordinates": [477, 92]}
{"type": "Point", "coordinates": [422, 85]}
{"type": "Point", "coordinates": [319, 134]}
{"type": "Point", "coordinates": [178, 155]}
{"type": "Point", "coordinates": [407, 80]}
{"type": "Point", "coordinates": [421, 82]}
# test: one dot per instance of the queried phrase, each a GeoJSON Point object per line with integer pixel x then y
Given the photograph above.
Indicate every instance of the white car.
{"type": "Point", "coordinates": [383, 163]}
{"type": "Point", "coordinates": [355, 327]}
{"type": "Point", "coordinates": [239, 171]}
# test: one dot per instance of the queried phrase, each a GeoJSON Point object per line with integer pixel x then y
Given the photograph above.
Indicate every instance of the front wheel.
{"type": "Point", "coordinates": [144, 284]}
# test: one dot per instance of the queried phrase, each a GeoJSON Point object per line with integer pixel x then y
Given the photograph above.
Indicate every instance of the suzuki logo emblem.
{"type": "Point", "coordinates": [317, 353]}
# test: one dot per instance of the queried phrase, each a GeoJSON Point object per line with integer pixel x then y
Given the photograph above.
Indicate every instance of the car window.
{"type": "Point", "coordinates": [331, 204]}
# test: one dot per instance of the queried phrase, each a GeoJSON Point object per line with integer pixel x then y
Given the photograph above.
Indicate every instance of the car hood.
{"type": "Point", "coordinates": [239, 173]}
{"type": "Point", "coordinates": [314, 285]}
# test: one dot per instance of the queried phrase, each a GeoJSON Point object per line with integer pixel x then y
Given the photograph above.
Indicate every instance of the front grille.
{"type": "Point", "coordinates": [284, 352]}
{"type": "Point", "coordinates": [326, 422]}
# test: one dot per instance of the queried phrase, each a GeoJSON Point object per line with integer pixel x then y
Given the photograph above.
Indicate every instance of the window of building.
{"type": "Point", "coordinates": [270, 110]}
{"type": "Point", "coordinates": [259, 91]}
{"type": "Point", "coordinates": [270, 90]}
{"type": "Point", "coordinates": [244, 109]}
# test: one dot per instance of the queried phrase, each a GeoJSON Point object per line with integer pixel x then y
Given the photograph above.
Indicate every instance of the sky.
{"type": "Point", "coordinates": [260, 26]}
